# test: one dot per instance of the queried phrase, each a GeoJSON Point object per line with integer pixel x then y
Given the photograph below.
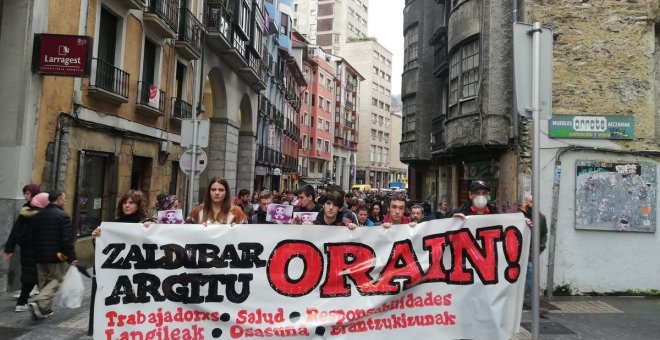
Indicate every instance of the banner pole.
{"type": "Point", "coordinates": [536, 168]}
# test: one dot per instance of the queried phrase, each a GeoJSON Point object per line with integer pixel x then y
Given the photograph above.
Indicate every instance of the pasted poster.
{"type": "Point", "coordinates": [444, 279]}
{"type": "Point", "coordinates": [619, 196]}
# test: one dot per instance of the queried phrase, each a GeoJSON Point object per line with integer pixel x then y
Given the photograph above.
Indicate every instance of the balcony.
{"type": "Point", "coordinates": [218, 23]}
{"type": "Point", "coordinates": [161, 16]}
{"type": "Point", "coordinates": [349, 105]}
{"type": "Point", "coordinates": [350, 85]}
{"type": "Point", "coordinates": [188, 42]}
{"type": "Point", "coordinates": [254, 74]}
{"type": "Point", "coordinates": [133, 4]}
{"type": "Point", "coordinates": [150, 100]}
{"type": "Point", "coordinates": [342, 142]}
{"type": "Point", "coordinates": [181, 109]}
{"type": "Point", "coordinates": [348, 123]}
{"type": "Point", "coordinates": [108, 82]}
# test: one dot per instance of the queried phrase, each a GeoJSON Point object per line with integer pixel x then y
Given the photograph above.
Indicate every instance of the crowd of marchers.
{"type": "Point", "coordinates": [44, 232]}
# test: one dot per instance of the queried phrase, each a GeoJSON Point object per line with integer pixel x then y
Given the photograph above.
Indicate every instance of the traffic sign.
{"type": "Point", "coordinates": [203, 126]}
{"type": "Point", "coordinates": [522, 66]}
{"type": "Point", "coordinates": [185, 161]}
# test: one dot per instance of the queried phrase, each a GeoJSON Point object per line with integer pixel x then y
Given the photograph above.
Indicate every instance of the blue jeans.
{"type": "Point", "coordinates": [528, 279]}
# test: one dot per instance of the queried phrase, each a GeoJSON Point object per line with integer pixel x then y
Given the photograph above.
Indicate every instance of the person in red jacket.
{"type": "Point", "coordinates": [395, 212]}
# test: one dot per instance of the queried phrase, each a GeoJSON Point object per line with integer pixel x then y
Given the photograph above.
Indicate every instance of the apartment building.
{"type": "Point", "coordinates": [141, 66]}
{"type": "Point", "coordinates": [278, 126]}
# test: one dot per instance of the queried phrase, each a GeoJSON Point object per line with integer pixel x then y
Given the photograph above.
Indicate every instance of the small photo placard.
{"type": "Point", "coordinates": [305, 216]}
{"type": "Point", "coordinates": [171, 216]}
{"type": "Point", "coordinates": [279, 213]}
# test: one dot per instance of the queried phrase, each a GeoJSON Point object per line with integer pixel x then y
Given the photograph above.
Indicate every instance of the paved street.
{"type": "Point", "coordinates": [597, 318]}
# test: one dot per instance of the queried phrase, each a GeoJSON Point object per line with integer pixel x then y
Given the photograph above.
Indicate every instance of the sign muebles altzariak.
{"type": "Point", "coordinates": [591, 127]}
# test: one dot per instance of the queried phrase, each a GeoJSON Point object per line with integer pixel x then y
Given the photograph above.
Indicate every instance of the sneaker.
{"type": "Point", "coordinates": [38, 313]}
{"type": "Point", "coordinates": [21, 308]}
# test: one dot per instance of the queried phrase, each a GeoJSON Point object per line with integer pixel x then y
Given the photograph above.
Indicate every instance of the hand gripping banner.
{"type": "Point", "coordinates": [443, 279]}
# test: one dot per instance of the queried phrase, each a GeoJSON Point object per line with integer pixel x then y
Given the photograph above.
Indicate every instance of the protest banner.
{"type": "Point", "coordinates": [443, 279]}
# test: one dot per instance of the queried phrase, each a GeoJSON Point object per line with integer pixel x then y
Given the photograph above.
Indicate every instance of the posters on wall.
{"type": "Point", "coordinates": [443, 279]}
{"type": "Point", "coordinates": [616, 196]}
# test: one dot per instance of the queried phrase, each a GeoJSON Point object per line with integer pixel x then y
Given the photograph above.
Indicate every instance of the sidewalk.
{"type": "Point", "coordinates": [585, 318]}
{"type": "Point", "coordinates": [65, 323]}
{"type": "Point", "coordinates": [597, 318]}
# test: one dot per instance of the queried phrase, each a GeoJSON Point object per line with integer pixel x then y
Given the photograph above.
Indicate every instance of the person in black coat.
{"type": "Point", "coordinates": [53, 240]}
{"type": "Point", "coordinates": [20, 235]}
{"type": "Point", "coordinates": [259, 216]}
{"type": "Point", "coordinates": [478, 203]}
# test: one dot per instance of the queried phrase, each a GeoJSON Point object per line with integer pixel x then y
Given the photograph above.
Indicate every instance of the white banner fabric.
{"type": "Point", "coordinates": [443, 279]}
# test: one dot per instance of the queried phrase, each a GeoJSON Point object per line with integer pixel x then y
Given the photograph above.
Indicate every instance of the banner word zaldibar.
{"type": "Point", "coordinates": [441, 279]}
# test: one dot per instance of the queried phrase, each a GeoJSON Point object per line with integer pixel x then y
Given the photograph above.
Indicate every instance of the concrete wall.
{"type": "Point", "coordinates": [605, 63]}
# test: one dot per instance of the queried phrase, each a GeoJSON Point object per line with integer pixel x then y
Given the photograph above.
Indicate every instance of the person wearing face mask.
{"type": "Point", "coordinates": [478, 203]}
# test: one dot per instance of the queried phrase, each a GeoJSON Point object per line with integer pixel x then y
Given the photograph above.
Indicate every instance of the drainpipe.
{"type": "Point", "coordinates": [553, 226]}
{"type": "Point", "coordinates": [514, 114]}
{"type": "Point", "coordinates": [55, 173]}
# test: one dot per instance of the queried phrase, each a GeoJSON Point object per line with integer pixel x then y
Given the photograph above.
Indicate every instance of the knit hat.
{"type": "Point", "coordinates": [32, 188]}
{"type": "Point", "coordinates": [40, 200]}
{"type": "Point", "coordinates": [165, 203]}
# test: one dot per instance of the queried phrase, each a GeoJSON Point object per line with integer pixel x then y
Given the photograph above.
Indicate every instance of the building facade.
{"type": "Point", "coordinates": [317, 114]}
{"type": "Point", "coordinates": [330, 23]}
{"type": "Point", "coordinates": [278, 126]}
{"type": "Point", "coordinates": [458, 94]}
{"type": "Point", "coordinates": [458, 100]}
{"type": "Point", "coordinates": [345, 142]}
{"type": "Point", "coordinates": [374, 62]}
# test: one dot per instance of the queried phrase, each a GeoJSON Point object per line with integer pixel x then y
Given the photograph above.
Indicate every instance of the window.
{"type": "Point", "coordinates": [305, 142]}
{"type": "Point", "coordinates": [327, 105]}
{"type": "Point", "coordinates": [386, 154]}
{"type": "Point", "coordinates": [463, 78]}
{"type": "Point", "coordinates": [408, 124]}
{"type": "Point", "coordinates": [387, 107]}
{"type": "Point", "coordinates": [380, 136]}
{"type": "Point", "coordinates": [149, 62]}
{"type": "Point", "coordinates": [374, 118]}
{"type": "Point", "coordinates": [321, 77]}
{"type": "Point", "coordinates": [107, 39]}
{"type": "Point", "coordinates": [372, 154]}
{"type": "Point", "coordinates": [375, 70]}
{"type": "Point", "coordinates": [320, 102]}
{"type": "Point", "coordinates": [387, 137]}
{"type": "Point", "coordinates": [380, 120]}
{"type": "Point", "coordinates": [374, 101]}
{"type": "Point", "coordinates": [373, 134]}
{"type": "Point", "coordinates": [379, 151]}
{"type": "Point", "coordinates": [321, 167]}
{"type": "Point", "coordinates": [312, 12]}
{"type": "Point", "coordinates": [284, 28]}
{"type": "Point", "coordinates": [318, 144]}
{"type": "Point", "coordinates": [305, 121]}
{"type": "Point", "coordinates": [410, 48]}
{"type": "Point", "coordinates": [320, 123]}
{"type": "Point", "coordinates": [327, 126]}
{"type": "Point", "coordinates": [180, 80]}
{"type": "Point", "coordinates": [327, 146]}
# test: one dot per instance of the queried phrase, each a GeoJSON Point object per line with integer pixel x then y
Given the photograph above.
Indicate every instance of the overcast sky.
{"type": "Point", "coordinates": [386, 24]}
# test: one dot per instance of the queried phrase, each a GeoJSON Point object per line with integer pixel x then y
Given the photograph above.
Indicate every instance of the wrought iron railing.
{"type": "Point", "coordinates": [218, 18]}
{"type": "Point", "coordinates": [189, 29]}
{"type": "Point", "coordinates": [181, 109]}
{"type": "Point", "coordinates": [167, 10]}
{"type": "Point", "coordinates": [149, 95]}
{"type": "Point", "coordinates": [109, 78]}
